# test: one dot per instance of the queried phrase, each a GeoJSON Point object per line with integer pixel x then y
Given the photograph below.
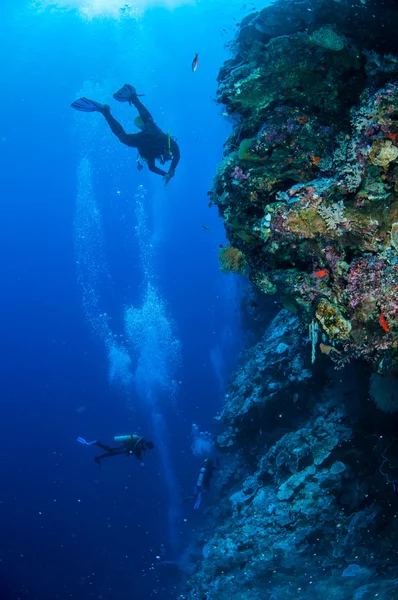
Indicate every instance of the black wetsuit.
{"type": "Point", "coordinates": [136, 446]}
{"type": "Point", "coordinates": [151, 142]}
{"type": "Point", "coordinates": [208, 476]}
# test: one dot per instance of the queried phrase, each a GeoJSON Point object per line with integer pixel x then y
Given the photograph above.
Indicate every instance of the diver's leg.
{"type": "Point", "coordinates": [139, 454]}
{"type": "Point", "coordinates": [108, 454]}
{"type": "Point", "coordinates": [144, 113]}
{"type": "Point", "coordinates": [128, 94]}
{"type": "Point", "coordinates": [101, 456]}
{"type": "Point", "coordinates": [129, 139]}
{"type": "Point", "coordinates": [107, 449]}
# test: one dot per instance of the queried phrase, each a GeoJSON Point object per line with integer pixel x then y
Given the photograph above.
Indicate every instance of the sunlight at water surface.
{"type": "Point", "coordinates": [112, 8]}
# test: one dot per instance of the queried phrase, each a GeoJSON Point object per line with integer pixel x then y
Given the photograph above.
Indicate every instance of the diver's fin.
{"type": "Point", "coordinates": [84, 442]}
{"type": "Point", "coordinates": [87, 105]}
{"type": "Point", "coordinates": [126, 94]}
{"type": "Point", "coordinates": [198, 501]}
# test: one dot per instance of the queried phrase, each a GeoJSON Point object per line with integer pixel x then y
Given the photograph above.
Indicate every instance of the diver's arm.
{"type": "Point", "coordinates": [152, 167]}
{"type": "Point", "coordinates": [176, 155]}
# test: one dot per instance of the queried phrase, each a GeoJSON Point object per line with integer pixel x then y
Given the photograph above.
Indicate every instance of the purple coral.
{"type": "Point", "coordinates": [373, 283]}
{"type": "Point", "coordinates": [239, 175]}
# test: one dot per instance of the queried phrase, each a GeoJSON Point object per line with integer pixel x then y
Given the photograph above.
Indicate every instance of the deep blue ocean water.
{"type": "Point", "coordinates": [85, 237]}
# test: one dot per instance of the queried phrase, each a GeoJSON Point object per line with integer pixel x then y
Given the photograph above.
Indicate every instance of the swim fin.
{"type": "Point", "coordinates": [87, 105]}
{"type": "Point", "coordinates": [126, 94]}
{"type": "Point", "coordinates": [198, 501]}
{"type": "Point", "coordinates": [84, 442]}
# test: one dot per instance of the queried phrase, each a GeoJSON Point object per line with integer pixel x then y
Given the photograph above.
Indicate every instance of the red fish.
{"type": "Point", "coordinates": [195, 62]}
{"type": "Point", "coordinates": [321, 274]}
{"type": "Point", "coordinates": [383, 322]}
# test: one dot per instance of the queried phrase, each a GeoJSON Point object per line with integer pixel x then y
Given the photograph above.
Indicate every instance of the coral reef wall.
{"type": "Point", "coordinates": [306, 499]}
{"type": "Point", "coordinates": [308, 188]}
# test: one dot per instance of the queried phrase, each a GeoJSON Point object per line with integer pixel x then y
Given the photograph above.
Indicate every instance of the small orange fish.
{"type": "Point", "coordinates": [383, 322]}
{"type": "Point", "coordinates": [321, 274]}
{"type": "Point", "coordinates": [195, 62]}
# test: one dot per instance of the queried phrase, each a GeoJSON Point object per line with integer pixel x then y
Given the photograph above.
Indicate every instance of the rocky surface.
{"type": "Point", "coordinates": [306, 501]}
{"type": "Point", "coordinates": [267, 383]}
{"type": "Point", "coordinates": [308, 188]}
{"type": "Point", "coordinates": [306, 497]}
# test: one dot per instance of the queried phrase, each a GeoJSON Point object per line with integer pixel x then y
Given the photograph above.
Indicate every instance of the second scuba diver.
{"type": "Point", "coordinates": [151, 142]}
{"type": "Point", "coordinates": [130, 445]}
{"type": "Point", "coordinates": [203, 481]}
{"type": "Point", "coordinates": [202, 486]}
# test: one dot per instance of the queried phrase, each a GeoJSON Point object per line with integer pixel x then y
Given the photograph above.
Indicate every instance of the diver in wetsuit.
{"type": "Point", "coordinates": [203, 482]}
{"type": "Point", "coordinates": [202, 486]}
{"type": "Point", "coordinates": [151, 142]}
{"type": "Point", "coordinates": [133, 444]}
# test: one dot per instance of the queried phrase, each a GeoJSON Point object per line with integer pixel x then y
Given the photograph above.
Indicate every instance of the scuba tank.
{"type": "Point", "coordinates": [201, 477]}
{"type": "Point", "coordinates": [123, 438]}
{"type": "Point", "coordinates": [126, 441]}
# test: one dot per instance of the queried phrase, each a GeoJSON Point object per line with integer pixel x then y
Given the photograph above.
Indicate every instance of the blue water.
{"type": "Point", "coordinates": [114, 315]}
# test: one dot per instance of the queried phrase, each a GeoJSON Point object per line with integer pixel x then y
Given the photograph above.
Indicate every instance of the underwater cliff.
{"type": "Point", "coordinates": [308, 188]}
{"type": "Point", "coordinates": [306, 500]}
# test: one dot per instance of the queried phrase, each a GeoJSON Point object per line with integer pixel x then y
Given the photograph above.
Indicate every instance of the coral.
{"type": "Point", "coordinates": [372, 288]}
{"type": "Point", "coordinates": [263, 283]}
{"type": "Point", "coordinates": [376, 63]}
{"type": "Point", "coordinates": [244, 150]}
{"type": "Point", "coordinates": [333, 215]}
{"type": "Point", "coordinates": [382, 153]}
{"type": "Point", "coordinates": [327, 38]}
{"type": "Point", "coordinates": [305, 501]}
{"type": "Point", "coordinates": [232, 260]}
{"type": "Point", "coordinates": [345, 161]}
{"type": "Point", "coordinates": [323, 187]}
{"type": "Point", "coordinates": [314, 333]}
{"type": "Point", "coordinates": [394, 236]}
{"type": "Point", "coordinates": [239, 175]}
{"type": "Point", "coordinates": [332, 321]}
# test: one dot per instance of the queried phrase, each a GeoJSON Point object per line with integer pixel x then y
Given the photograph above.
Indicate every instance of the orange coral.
{"type": "Point", "coordinates": [393, 137]}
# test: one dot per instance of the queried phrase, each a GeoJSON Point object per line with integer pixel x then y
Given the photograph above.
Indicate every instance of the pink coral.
{"type": "Point", "coordinates": [372, 286]}
{"type": "Point", "coordinates": [239, 175]}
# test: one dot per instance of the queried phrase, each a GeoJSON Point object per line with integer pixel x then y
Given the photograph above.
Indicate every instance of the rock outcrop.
{"type": "Point", "coordinates": [306, 500]}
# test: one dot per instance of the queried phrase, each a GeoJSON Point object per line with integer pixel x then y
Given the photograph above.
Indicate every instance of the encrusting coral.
{"type": "Point", "coordinates": [309, 180]}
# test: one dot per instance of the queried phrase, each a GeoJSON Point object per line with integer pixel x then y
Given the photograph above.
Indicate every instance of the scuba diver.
{"type": "Point", "coordinates": [151, 142]}
{"type": "Point", "coordinates": [203, 482]}
{"type": "Point", "coordinates": [133, 444]}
